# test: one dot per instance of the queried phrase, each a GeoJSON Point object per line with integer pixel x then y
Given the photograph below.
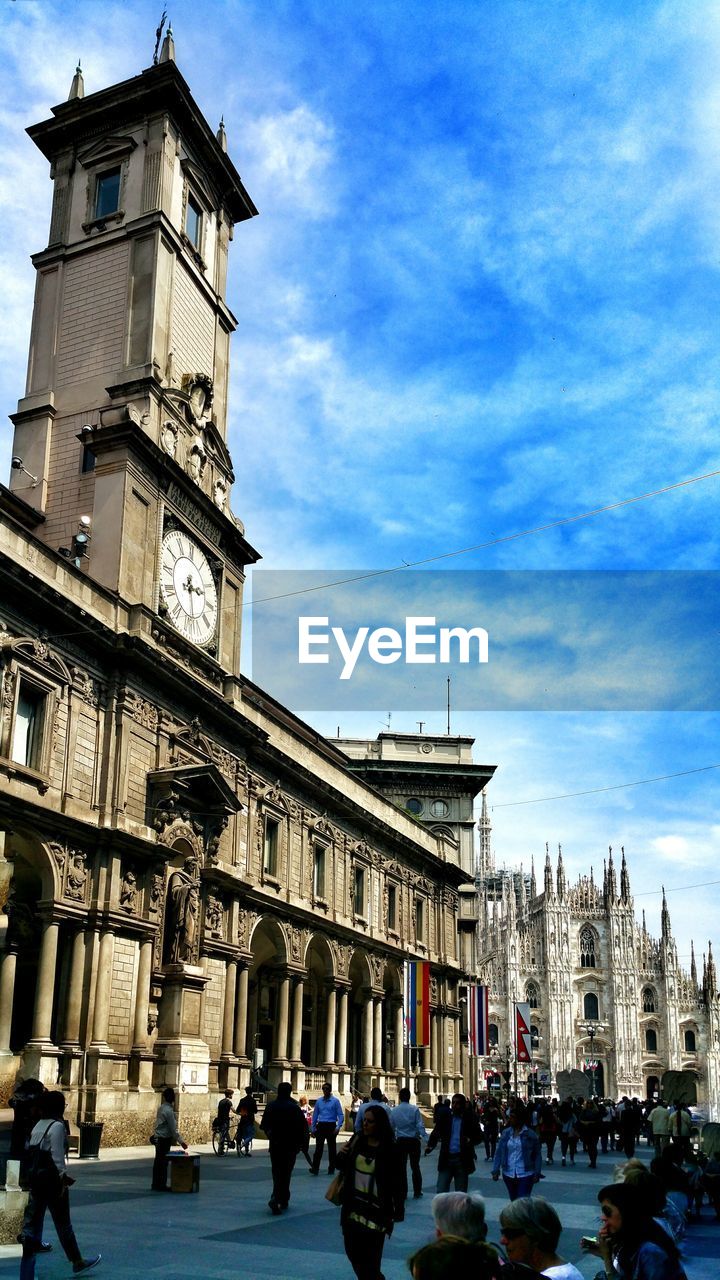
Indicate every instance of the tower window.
{"type": "Point", "coordinates": [493, 1033]}
{"type": "Point", "coordinates": [359, 894]}
{"type": "Point", "coordinates": [532, 995]}
{"type": "Point", "coordinates": [107, 193]}
{"type": "Point", "coordinates": [270, 852]}
{"type": "Point", "coordinates": [648, 999]}
{"type": "Point", "coordinates": [413, 805]}
{"type": "Point", "coordinates": [420, 919]}
{"type": "Point", "coordinates": [590, 1007]}
{"type": "Point", "coordinates": [193, 222]}
{"type": "Point", "coordinates": [689, 1041]}
{"type": "Point", "coordinates": [27, 730]}
{"type": "Point", "coordinates": [651, 1040]}
{"type": "Point", "coordinates": [587, 948]}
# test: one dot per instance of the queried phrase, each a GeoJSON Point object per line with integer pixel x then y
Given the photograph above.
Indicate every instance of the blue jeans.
{"type": "Point", "coordinates": [519, 1187]}
{"type": "Point", "coordinates": [453, 1172]}
{"type": "Point", "coordinates": [58, 1203]}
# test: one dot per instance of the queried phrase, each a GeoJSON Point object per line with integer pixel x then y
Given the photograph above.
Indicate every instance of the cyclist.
{"type": "Point", "coordinates": [222, 1119]}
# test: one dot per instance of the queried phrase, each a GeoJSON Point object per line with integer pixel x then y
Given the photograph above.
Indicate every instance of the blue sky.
{"type": "Point", "coordinates": [482, 295]}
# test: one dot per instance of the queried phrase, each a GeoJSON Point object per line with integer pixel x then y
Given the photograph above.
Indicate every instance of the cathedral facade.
{"type": "Point", "coordinates": [605, 996]}
{"type": "Point", "coordinates": [193, 883]}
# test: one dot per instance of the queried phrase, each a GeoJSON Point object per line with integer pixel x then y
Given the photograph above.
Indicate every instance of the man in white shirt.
{"type": "Point", "coordinates": [409, 1130]}
{"type": "Point", "coordinates": [327, 1121]}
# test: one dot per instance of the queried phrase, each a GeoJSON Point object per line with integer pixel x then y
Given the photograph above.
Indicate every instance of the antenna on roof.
{"type": "Point", "coordinates": [448, 706]}
{"type": "Point", "coordinates": [158, 37]}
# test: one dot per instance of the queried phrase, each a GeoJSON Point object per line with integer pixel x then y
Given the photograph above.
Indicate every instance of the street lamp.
{"type": "Point", "coordinates": [591, 1029]}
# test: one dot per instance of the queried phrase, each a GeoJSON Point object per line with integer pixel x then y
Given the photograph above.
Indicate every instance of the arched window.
{"type": "Point", "coordinates": [493, 1037]}
{"type": "Point", "coordinates": [651, 1040]}
{"type": "Point", "coordinates": [648, 999]}
{"type": "Point", "coordinates": [587, 948]}
{"type": "Point", "coordinates": [534, 1038]}
{"type": "Point", "coordinates": [532, 995]}
{"type": "Point", "coordinates": [590, 1007]}
{"type": "Point", "coordinates": [689, 1041]}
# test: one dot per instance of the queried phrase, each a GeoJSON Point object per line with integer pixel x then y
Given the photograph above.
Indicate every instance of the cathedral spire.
{"type": "Point", "coordinates": [77, 88]}
{"type": "Point", "coordinates": [711, 976]}
{"type": "Point", "coordinates": [523, 894]}
{"type": "Point", "coordinates": [693, 965]}
{"type": "Point", "coordinates": [665, 918]}
{"type": "Point", "coordinates": [533, 883]}
{"type": "Point", "coordinates": [560, 878]}
{"type": "Point", "coordinates": [611, 881]}
{"type": "Point", "coordinates": [485, 863]}
{"type": "Point", "coordinates": [548, 874]}
{"type": "Point", "coordinates": [625, 894]}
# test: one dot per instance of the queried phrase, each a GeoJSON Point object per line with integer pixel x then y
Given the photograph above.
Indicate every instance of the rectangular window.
{"type": "Point", "coordinates": [392, 907]}
{"type": "Point", "coordinates": [27, 730]}
{"type": "Point", "coordinates": [319, 871]}
{"type": "Point", "coordinates": [193, 222]}
{"type": "Point", "coordinates": [107, 193]}
{"type": "Point", "coordinates": [359, 891]}
{"type": "Point", "coordinates": [88, 460]}
{"type": "Point", "coordinates": [272, 841]}
{"type": "Point", "coordinates": [420, 919]}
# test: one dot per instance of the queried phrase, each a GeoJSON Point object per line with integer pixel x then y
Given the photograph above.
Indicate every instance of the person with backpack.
{"type": "Point", "coordinates": [45, 1171]}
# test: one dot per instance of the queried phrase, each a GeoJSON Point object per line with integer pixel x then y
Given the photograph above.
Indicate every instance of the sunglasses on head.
{"type": "Point", "coordinates": [511, 1233]}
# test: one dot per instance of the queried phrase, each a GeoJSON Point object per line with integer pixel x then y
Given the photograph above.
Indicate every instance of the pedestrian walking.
{"type": "Point", "coordinates": [659, 1123]}
{"type": "Point", "coordinates": [376, 1099]}
{"type": "Point", "coordinates": [287, 1131]}
{"type": "Point", "coordinates": [518, 1155]}
{"type": "Point", "coordinates": [588, 1126]}
{"type": "Point", "coordinates": [165, 1135]}
{"type": "Point", "coordinates": [568, 1131]}
{"type": "Point", "coordinates": [407, 1125]}
{"type": "Point", "coordinates": [49, 1182]}
{"type": "Point", "coordinates": [458, 1133]}
{"type": "Point", "coordinates": [490, 1127]}
{"type": "Point", "coordinates": [371, 1200]}
{"type": "Point", "coordinates": [328, 1119]}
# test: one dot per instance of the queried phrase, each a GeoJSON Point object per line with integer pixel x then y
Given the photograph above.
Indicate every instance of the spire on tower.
{"type": "Point", "coordinates": [485, 865]}
{"type": "Point", "coordinates": [548, 874]}
{"type": "Point", "coordinates": [560, 879]}
{"type": "Point", "coordinates": [711, 976]}
{"type": "Point", "coordinates": [665, 918]}
{"type": "Point", "coordinates": [611, 881]}
{"type": "Point", "coordinates": [693, 966]}
{"type": "Point", "coordinates": [624, 880]}
{"type": "Point", "coordinates": [221, 134]}
{"type": "Point", "coordinates": [77, 88]}
{"type": "Point", "coordinates": [533, 884]}
{"type": "Point", "coordinates": [167, 53]}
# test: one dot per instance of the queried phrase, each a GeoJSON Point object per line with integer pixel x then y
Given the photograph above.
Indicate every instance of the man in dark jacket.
{"type": "Point", "coordinates": [286, 1127]}
{"type": "Point", "coordinates": [458, 1133]}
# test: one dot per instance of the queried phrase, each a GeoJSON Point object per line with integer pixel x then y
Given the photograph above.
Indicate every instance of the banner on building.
{"type": "Point", "coordinates": [477, 1021]}
{"type": "Point", "coordinates": [417, 1004]}
{"type": "Point", "coordinates": [523, 1039]}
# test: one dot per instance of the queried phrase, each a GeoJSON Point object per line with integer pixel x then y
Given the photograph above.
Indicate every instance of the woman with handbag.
{"type": "Point", "coordinates": [371, 1196]}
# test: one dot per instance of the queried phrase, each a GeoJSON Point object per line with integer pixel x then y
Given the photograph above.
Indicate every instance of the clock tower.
{"type": "Point", "coordinates": [120, 441]}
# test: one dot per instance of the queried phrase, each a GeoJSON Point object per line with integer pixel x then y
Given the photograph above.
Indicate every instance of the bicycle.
{"type": "Point", "coordinates": [222, 1138]}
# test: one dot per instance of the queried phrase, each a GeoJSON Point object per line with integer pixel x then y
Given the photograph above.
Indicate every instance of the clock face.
{"type": "Point", "coordinates": [187, 587]}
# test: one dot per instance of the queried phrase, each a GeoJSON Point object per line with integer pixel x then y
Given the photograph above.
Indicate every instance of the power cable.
{"type": "Point", "coordinates": [594, 791]}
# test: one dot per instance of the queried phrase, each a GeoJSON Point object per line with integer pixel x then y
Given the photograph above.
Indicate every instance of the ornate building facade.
{"type": "Point", "coordinates": [192, 881]}
{"type": "Point", "coordinates": [605, 997]}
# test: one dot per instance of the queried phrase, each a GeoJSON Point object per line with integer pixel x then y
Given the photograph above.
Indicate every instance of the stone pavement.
{"type": "Point", "coordinates": [227, 1229]}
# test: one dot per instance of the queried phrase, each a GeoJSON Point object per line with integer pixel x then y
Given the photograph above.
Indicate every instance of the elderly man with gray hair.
{"type": "Point", "coordinates": [459, 1213]}
{"type": "Point", "coordinates": [530, 1232]}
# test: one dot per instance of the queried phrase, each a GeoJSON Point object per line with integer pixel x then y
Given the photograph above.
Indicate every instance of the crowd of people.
{"type": "Point", "coordinates": [644, 1210]}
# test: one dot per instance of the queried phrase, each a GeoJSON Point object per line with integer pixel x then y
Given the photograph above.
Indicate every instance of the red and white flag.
{"type": "Point", "coordinates": [523, 1039]}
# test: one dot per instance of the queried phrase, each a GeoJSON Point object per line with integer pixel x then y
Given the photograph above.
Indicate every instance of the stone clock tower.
{"type": "Point", "coordinates": [122, 431]}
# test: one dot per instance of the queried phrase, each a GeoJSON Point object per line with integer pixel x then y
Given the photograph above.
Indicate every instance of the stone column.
{"type": "Point", "coordinates": [399, 1038]}
{"type": "Point", "coordinates": [330, 1012]}
{"type": "Point", "coordinates": [142, 996]}
{"type": "Point", "coordinates": [367, 1033]}
{"type": "Point", "coordinates": [342, 1036]}
{"type": "Point", "coordinates": [252, 1020]}
{"type": "Point", "coordinates": [102, 989]}
{"type": "Point", "coordinates": [281, 1026]}
{"type": "Point", "coordinates": [42, 1016]}
{"type": "Point", "coordinates": [378, 1046]}
{"type": "Point", "coordinates": [443, 1053]}
{"type": "Point", "coordinates": [226, 1048]}
{"type": "Point", "coordinates": [73, 1008]}
{"type": "Point", "coordinates": [241, 1013]}
{"type": "Point", "coordinates": [8, 964]}
{"type": "Point", "coordinates": [297, 1017]}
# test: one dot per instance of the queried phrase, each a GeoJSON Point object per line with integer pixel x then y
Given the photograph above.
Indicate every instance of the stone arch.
{"type": "Point", "coordinates": [318, 989]}
{"type": "Point", "coordinates": [268, 969]}
{"type": "Point", "coordinates": [360, 978]}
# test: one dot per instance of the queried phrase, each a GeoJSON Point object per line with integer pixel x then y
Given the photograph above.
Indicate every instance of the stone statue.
{"type": "Point", "coordinates": [184, 909]}
{"type": "Point", "coordinates": [128, 891]}
{"type": "Point", "coordinates": [76, 877]}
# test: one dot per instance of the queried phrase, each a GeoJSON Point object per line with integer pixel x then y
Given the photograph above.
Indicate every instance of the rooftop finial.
{"type": "Point", "coordinates": [77, 88]}
{"type": "Point", "coordinates": [221, 134]}
{"type": "Point", "coordinates": [167, 53]}
{"type": "Point", "coordinates": [158, 37]}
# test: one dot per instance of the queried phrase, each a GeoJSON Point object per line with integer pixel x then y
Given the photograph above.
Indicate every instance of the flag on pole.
{"type": "Point", "coordinates": [523, 1039]}
{"type": "Point", "coordinates": [477, 1021]}
{"type": "Point", "coordinates": [417, 1004]}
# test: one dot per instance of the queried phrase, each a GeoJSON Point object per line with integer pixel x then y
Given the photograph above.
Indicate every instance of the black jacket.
{"type": "Point", "coordinates": [388, 1180]}
{"type": "Point", "coordinates": [285, 1125]}
{"type": "Point", "coordinates": [469, 1137]}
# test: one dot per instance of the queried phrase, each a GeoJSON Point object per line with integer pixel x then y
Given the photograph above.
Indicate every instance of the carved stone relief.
{"type": "Point", "coordinates": [129, 891]}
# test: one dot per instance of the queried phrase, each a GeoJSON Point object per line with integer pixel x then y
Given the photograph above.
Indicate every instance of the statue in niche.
{"type": "Point", "coordinates": [128, 891]}
{"type": "Point", "coordinates": [183, 901]}
{"type": "Point", "coordinates": [76, 877]}
{"type": "Point", "coordinates": [214, 915]}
